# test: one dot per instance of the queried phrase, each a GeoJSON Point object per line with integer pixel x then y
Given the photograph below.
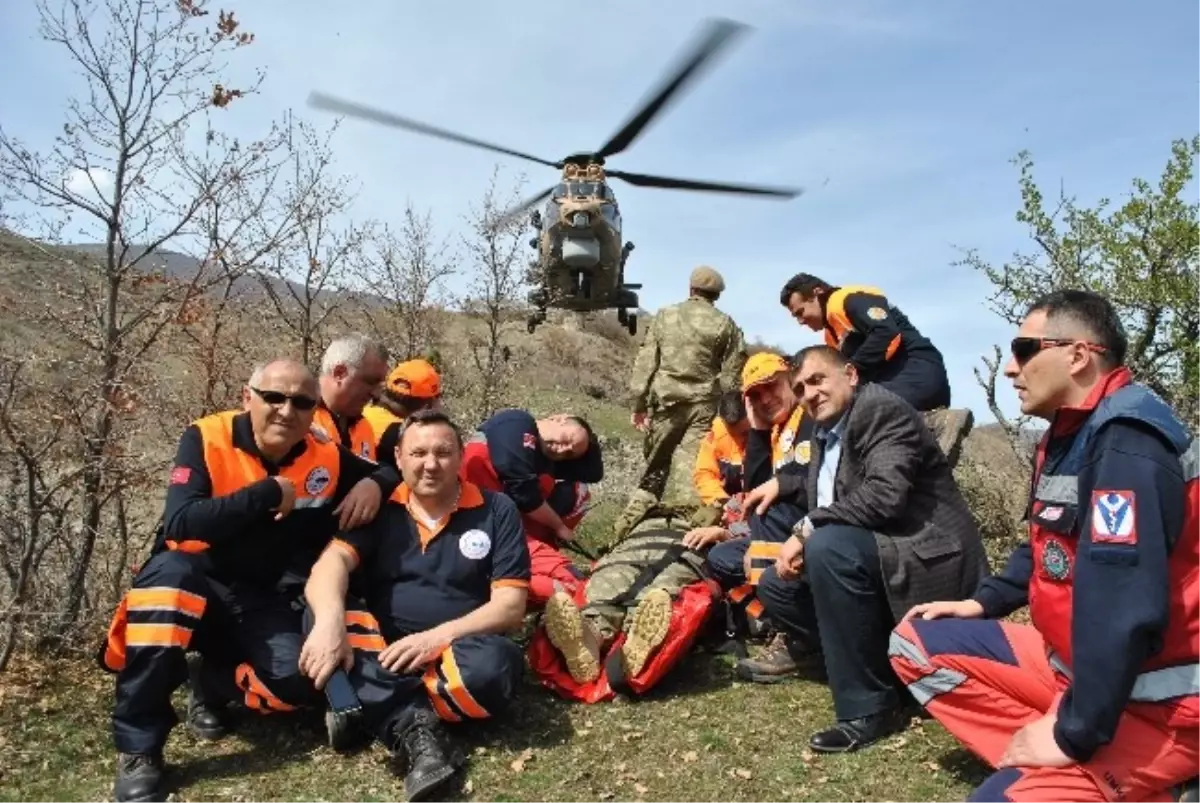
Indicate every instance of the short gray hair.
{"type": "Point", "coordinates": [350, 350]}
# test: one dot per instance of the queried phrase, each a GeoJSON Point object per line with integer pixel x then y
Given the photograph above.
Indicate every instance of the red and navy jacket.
{"type": "Point", "coordinates": [1110, 568]}
{"type": "Point", "coordinates": [514, 456]}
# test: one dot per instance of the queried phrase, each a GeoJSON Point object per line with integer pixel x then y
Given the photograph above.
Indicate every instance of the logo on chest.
{"type": "Point", "coordinates": [1055, 560]}
{"type": "Point", "coordinates": [364, 449]}
{"type": "Point", "coordinates": [316, 481]}
{"type": "Point", "coordinates": [475, 544]}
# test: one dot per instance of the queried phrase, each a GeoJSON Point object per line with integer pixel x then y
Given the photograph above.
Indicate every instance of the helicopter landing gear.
{"type": "Point", "coordinates": [627, 320]}
{"type": "Point", "coordinates": [538, 298]}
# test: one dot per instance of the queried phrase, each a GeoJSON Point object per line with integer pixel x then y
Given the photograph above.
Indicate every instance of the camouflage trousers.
{"type": "Point", "coordinates": [670, 450]}
{"type": "Point", "coordinates": [651, 557]}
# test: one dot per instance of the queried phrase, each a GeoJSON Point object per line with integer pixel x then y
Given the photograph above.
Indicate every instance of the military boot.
{"type": "Point", "coordinates": [420, 748]}
{"type": "Point", "coordinates": [649, 623]}
{"type": "Point", "coordinates": [139, 777]}
{"type": "Point", "coordinates": [207, 715]}
{"type": "Point", "coordinates": [573, 637]}
{"type": "Point", "coordinates": [780, 660]}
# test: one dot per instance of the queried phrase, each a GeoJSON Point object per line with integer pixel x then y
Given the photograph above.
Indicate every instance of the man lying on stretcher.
{"type": "Point", "coordinates": [639, 612]}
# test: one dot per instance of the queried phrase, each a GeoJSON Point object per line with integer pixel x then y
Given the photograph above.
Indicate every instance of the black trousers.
{"type": "Point", "coordinates": [249, 636]}
{"type": "Point", "coordinates": [839, 601]}
{"type": "Point", "coordinates": [918, 377]}
{"type": "Point", "coordinates": [725, 560]}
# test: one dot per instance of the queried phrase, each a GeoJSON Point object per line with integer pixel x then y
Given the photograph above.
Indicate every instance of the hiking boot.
{"type": "Point", "coordinates": [649, 623]}
{"type": "Point", "coordinates": [139, 777]}
{"type": "Point", "coordinates": [420, 746]}
{"type": "Point", "coordinates": [779, 661]}
{"type": "Point", "coordinates": [572, 637]}
{"type": "Point", "coordinates": [207, 717]}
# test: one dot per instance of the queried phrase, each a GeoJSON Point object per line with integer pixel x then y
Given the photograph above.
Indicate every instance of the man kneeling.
{"type": "Point", "coordinates": [642, 608]}
{"type": "Point", "coordinates": [444, 570]}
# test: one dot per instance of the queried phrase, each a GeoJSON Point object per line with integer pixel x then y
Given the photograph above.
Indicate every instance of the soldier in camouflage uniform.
{"type": "Point", "coordinates": [632, 588]}
{"type": "Point", "coordinates": [691, 353]}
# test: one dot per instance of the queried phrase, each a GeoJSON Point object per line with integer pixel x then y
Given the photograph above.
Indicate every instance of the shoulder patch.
{"type": "Point", "coordinates": [180, 475]}
{"type": "Point", "coordinates": [1114, 517]}
{"type": "Point", "coordinates": [529, 440]}
{"type": "Point", "coordinates": [316, 480]}
{"type": "Point", "coordinates": [1055, 561]}
{"type": "Point", "coordinates": [877, 313]}
{"type": "Point", "coordinates": [803, 452]}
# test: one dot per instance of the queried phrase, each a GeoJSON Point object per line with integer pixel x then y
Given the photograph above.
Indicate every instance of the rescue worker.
{"type": "Point", "coordinates": [352, 370]}
{"type": "Point", "coordinates": [1096, 699]}
{"type": "Point", "coordinates": [253, 498]}
{"type": "Point", "coordinates": [778, 443]}
{"type": "Point", "coordinates": [691, 352]}
{"type": "Point", "coordinates": [878, 338]}
{"type": "Point", "coordinates": [523, 457]}
{"type": "Point", "coordinates": [718, 472]}
{"type": "Point", "coordinates": [644, 605]}
{"type": "Point", "coordinates": [412, 385]}
{"type": "Point", "coordinates": [445, 573]}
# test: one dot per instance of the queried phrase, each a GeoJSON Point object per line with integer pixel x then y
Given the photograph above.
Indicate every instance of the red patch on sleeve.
{"type": "Point", "coordinates": [1114, 517]}
{"type": "Point", "coordinates": [529, 441]}
{"type": "Point", "coordinates": [180, 475]}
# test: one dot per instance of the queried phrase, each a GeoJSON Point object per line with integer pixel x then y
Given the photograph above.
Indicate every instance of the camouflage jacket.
{"type": "Point", "coordinates": [691, 353]}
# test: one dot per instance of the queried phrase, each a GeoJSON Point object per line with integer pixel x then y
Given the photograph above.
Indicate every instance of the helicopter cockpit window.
{"type": "Point", "coordinates": [560, 191]}
{"type": "Point", "coordinates": [583, 188]}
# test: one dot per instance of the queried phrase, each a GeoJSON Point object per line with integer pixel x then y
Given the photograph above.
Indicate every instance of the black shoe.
{"type": "Point", "coordinates": [853, 734]}
{"type": "Point", "coordinates": [206, 714]}
{"type": "Point", "coordinates": [421, 742]}
{"type": "Point", "coordinates": [139, 777]}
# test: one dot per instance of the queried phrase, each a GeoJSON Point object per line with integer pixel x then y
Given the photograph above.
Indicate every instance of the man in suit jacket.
{"type": "Point", "coordinates": [887, 528]}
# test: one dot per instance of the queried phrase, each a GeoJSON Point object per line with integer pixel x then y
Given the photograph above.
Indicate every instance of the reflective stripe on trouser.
{"type": "Point", "coordinates": [743, 595]}
{"type": "Point", "coordinates": [984, 680]}
{"type": "Point", "coordinates": [156, 622]}
{"type": "Point", "coordinates": [476, 677]}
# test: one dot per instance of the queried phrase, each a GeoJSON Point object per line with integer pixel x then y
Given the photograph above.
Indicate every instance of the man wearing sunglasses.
{"type": "Point", "coordinates": [253, 497]}
{"type": "Point", "coordinates": [1097, 698]}
{"type": "Point", "coordinates": [874, 335]}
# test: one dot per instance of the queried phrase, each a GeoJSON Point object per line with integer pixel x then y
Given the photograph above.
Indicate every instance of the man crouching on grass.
{"type": "Point", "coordinates": [444, 571]}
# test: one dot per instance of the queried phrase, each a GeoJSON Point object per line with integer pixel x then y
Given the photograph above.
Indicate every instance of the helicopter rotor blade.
{"type": "Point", "coordinates": [663, 182]}
{"type": "Point", "coordinates": [513, 212]}
{"type": "Point", "coordinates": [714, 36]}
{"type": "Point", "coordinates": [321, 101]}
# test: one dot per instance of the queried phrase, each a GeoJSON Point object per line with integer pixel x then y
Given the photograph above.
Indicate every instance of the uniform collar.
{"type": "Point", "coordinates": [1068, 419]}
{"type": "Point", "coordinates": [469, 497]}
{"type": "Point", "coordinates": [243, 438]}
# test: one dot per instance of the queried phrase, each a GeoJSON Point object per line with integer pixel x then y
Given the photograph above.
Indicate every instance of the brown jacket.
{"type": "Point", "coordinates": [893, 479]}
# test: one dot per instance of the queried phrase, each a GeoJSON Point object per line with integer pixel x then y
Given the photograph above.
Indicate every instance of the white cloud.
{"type": "Point", "coordinates": [91, 185]}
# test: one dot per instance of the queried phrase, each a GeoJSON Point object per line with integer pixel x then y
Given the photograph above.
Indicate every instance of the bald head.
{"type": "Point", "coordinates": [280, 397]}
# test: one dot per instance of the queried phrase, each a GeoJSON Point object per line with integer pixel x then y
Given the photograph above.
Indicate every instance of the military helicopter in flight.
{"type": "Point", "coordinates": [580, 264]}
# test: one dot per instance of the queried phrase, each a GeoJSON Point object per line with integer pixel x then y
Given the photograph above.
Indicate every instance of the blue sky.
{"type": "Point", "coordinates": [899, 118]}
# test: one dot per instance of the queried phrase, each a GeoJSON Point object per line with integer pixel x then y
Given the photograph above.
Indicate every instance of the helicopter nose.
{"type": "Point", "coordinates": [580, 220]}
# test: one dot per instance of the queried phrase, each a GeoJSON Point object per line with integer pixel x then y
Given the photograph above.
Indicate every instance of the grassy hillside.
{"type": "Point", "coordinates": [701, 735]}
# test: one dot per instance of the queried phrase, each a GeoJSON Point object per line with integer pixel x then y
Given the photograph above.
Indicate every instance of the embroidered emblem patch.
{"type": "Point", "coordinates": [529, 440]}
{"type": "Point", "coordinates": [877, 313]}
{"type": "Point", "coordinates": [1051, 513]}
{"type": "Point", "coordinates": [180, 475]}
{"type": "Point", "coordinates": [1114, 517]}
{"type": "Point", "coordinates": [475, 544]}
{"type": "Point", "coordinates": [786, 438]}
{"type": "Point", "coordinates": [803, 452]}
{"type": "Point", "coordinates": [316, 480]}
{"type": "Point", "coordinates": [1055, 560]}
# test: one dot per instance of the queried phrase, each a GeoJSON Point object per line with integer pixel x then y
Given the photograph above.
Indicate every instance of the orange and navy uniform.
{"type": "Point", "coordinates": [372, 435]}
{"type": "Point", "coordinates": [1110, 576]}
{"type": "Point", "coordinates": [223, 574]}
{"type": "Point", "coordinates": [506, 456]}
{"type": "Point", "coordinates": [718, 472]}
{"type": "Point", "coordinates": [880, 340]}
{"type": "Point", "coordinates": [416, 576]}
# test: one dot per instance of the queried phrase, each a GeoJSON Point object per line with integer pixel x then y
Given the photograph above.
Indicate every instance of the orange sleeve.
{"type": "Point", "coordinates": [707, 474]}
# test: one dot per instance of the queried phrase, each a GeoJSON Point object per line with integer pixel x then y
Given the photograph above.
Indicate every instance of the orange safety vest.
{"type": "Point", "coordinates": [363, 435]}
{"type": "Point", "coordinates": [718, 471]}
{"type": "Point", "coordinates": [791, 442]}
{"type": "Point", "coordinates": [837, 323]}
{"type": "Point", "coordinates": [314, 473]}
{"type": "Point", "coordinates": [380, 418]}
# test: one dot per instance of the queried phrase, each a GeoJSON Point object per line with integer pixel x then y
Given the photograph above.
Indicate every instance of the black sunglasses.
{"type": "Point", "coordinates": [1025, 348]}
{"type": "Point", "coordinates": [277, 399]}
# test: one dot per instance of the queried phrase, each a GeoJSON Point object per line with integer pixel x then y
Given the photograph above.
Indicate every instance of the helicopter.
{"type": "Point", "coordinates": [580, 263]}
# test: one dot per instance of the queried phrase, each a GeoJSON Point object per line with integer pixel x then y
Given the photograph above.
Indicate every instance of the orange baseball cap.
{"type": "Point", "coordinates": [416, 378]}
{"type": "Point", "coordinates": [762, 367]}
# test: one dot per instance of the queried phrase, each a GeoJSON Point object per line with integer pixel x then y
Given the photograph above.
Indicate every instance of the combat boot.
{"type": "Point", "coordinates": [207, 716]}
{"type": "Point", "coordinates": [780, 660]}
{"type": "Point", "coordinates": [573, 637]}
{"type": "Point", "coordinates": [139, 777]}
{"type": "Point", "coordinates": [420, 748]}
{"type": "Point", "coordinates": [649, 623]}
